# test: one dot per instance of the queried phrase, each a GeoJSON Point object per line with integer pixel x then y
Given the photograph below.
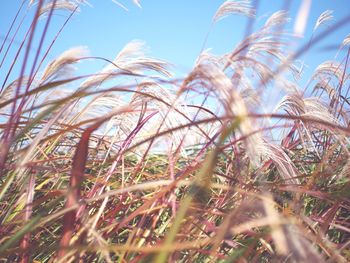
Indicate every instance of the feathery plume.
{"type": "Point", "coordinates": [293, 104]}
{"type": "Point", "coordinates": [276, 19]}
{"type": "Point", "coordinates": [240, 7]}
{"type": "Point", "coordinates": [330, 69]}
{"type": "Point", "coordinates": [207, 56]}
{"type": "Point", "coordinates": [313, 107]}
{"type": "Point", "coordinates": [346, 41]}
{"type": "Point", "coordinates": [172, 114]}
{"type": "Point", "coordinates": [9, 92]}
{"type": "Point", "coordinates": [101, 105]}
{"type": "Point", "coordinates": [324, 18]}
{"type": "Point", "coordinates": [284, 164]}
{"type": "Point", "coordinates": [64, 5]}
{"type": "Point", "coordinates": [316, 109]}
{"type": "Point", "coordinates": [328, 88]}
{"type": "Point", "coordinates": [233, 102]}
{"type": "Point", "coordinates": [131, 60]}
{"type": "Point", "coordinates": [63, 64]}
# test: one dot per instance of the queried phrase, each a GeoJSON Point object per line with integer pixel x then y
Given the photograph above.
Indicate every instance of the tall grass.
{"type": "Point", "coordinates": [118, 166]}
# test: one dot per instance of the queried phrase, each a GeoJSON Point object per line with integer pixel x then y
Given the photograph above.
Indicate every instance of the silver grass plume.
{"type": "Point", "coordinates": [64, 5]}
{"type": "Point", "coordinates": [63, 64]}
{"type": "Point", "coordinates": [234, 103]}
{"type": "Point", "coordinates": [278, 18]}
{"type": "Point", "coordinates": [131, 60]}
{"type": "Point", "coordinates": [329, 69]}
{"type": "Point", "coordinates": [172, 113]}
{"type": "Point", "coordinates": [239, 7]}
{"type": "Point", "coordinates": [9, 92]}
{"type": "Point", "coordinates": [281, 160]}
{"type": "Point", "coordinates": [328, 88]}
{"type": "Point", "coordinates": [101, 105]}
{"type": "Point", "coordinates": [312, 107]}
{"type": "Point", "coordinates": [324, 19]}
{"type": "Point", "coordinates": [346, 41]}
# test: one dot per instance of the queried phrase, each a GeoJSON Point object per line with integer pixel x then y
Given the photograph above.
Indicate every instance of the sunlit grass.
{"type": "Point", "coordinates": [120, 166]}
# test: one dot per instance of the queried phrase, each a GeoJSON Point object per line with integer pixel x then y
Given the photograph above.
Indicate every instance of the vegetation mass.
{"type": "Point", "coordinates": [130, 164]}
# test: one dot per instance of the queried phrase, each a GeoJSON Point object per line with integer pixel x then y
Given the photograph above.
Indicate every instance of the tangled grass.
{"type": "Point", "coordinates": [118, 166]}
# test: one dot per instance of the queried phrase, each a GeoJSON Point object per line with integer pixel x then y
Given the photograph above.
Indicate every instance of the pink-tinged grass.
{"type": "Point", "coordinates": [136, 173]}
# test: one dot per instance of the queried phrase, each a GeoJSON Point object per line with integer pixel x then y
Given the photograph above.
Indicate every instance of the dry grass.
{"type": "Point", "coordinates": [124, 169]}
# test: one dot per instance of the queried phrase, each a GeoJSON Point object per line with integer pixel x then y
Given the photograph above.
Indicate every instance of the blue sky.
{"type": "Point", "coordinates": [174, 30]}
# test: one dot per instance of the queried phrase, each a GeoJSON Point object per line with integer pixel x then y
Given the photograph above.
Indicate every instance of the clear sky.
{"type": "Point", "coordinates": [174, 30]}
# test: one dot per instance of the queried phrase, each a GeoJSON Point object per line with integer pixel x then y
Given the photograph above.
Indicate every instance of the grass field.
{"type": "Point", "coordinates": [122, 166]}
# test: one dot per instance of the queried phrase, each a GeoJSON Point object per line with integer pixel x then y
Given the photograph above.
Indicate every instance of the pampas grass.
{"type": "Point", "coordinates": [120, 166]}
